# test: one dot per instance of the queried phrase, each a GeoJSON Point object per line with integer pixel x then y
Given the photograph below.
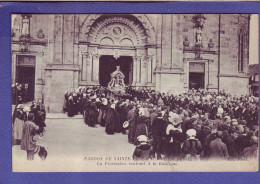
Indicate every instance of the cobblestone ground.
{"type": "Point", "coordinates": [69, 138]}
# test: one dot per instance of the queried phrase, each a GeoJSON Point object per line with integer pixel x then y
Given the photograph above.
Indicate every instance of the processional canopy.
{"type": "Point", "coordinates": [116, 83]}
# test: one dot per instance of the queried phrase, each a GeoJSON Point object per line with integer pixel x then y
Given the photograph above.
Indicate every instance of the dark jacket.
{"type": "Point", "coordinates": [218, 149]}
{"type": "Point", "coordinates": [159, 127]}
{"type": "Point", "coordinates": [143, 152]}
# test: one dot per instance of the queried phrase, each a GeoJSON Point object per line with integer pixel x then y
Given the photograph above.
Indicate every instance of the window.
{"type": "Point", "coordinates": [241, 50]}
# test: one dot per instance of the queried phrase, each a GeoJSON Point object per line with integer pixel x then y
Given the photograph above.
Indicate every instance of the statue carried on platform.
{"type": "Point", "coordinates": [116, 83]}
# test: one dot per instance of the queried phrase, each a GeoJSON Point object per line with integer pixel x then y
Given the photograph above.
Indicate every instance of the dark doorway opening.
{"type": "Point", "coordinates": [25, 75]}
{"type": "Point", "coordinates": [196, 80]}
{"type": "Point", "coordinates": [108, 65]}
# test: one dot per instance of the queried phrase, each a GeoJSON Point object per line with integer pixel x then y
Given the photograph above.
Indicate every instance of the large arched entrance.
{"type": "Point", "coordinates": [107, 65]}
{"type": "Point", "coordinates": [117, 40]}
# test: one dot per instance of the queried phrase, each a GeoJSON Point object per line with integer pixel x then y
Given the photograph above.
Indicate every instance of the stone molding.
{"type": "Point", "coordinates": [202, 50]}
{"type": "Point", "coordinates": [86, 26]}
{"type": "Point", "coordinates": [168, 72]}
{"type": "Point", "coordinates": [62, 67]}
{"type": "Point", "coordinates": [230, 75]}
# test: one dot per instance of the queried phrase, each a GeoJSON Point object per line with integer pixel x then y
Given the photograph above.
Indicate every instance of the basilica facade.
{"type": "Point", "coordinates": [166, 52]}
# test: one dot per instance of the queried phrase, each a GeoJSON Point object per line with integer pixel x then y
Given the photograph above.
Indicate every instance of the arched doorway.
{"type": "Point", "coordinates": [124, 37]}
{"type": "Point", "coordinates": [25, 75]}
{"type": "Point", "coordinates": [107, 65]}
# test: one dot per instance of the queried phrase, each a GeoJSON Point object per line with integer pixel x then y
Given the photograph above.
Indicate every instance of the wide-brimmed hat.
{"type": "Point", "coordinates": [234, 122]}
{"type": "Point", "coordinates": [141, 111]}
{"type": "Point", "coordinates": [142, 138]}
{"type": "Point", "coordinates": [227, 117]}
{"type": "Point", "coordinates": [104, 101]}
{"type": "Point", "coordinates": [191, 133]}
{"type": "Point", "coordinates": [126, 124]}
{"type": "Point", "coordinates": [19, 106]}
{"type": "Point", "coordinates": [113, 106]}
{"type": "Point", "coordinates": [35, 138]}
{"type": "Point", "coordinates": [92, 97]}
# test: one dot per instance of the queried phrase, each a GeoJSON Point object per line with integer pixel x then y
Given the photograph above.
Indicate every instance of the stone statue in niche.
{"type": "Point", "coordinates": [26, 25]}
{"type": "Point", "coordinates": [199, 21]}
{"type": "Point", "coordinates": [40, 34]}
{"type": "Point", "coordinates": [186, 42]}
{"type": "Point", "coordinates": [211, 44]}
{"type": "Point", "coordinates": [116, 83]}
{"type": "Point", "coordinates": [199, 36]}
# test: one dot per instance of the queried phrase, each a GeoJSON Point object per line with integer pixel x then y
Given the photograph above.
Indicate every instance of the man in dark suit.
{"type": "Point", "coordinates": [131, 118]}
{"type": "Point", "coordinates": [218, 149]}
{"type": "Point", "coordinates": [158, 132]}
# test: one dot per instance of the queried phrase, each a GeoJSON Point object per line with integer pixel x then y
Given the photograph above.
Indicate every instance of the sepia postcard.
{"type": "Point", "coordinates": [135, 92]}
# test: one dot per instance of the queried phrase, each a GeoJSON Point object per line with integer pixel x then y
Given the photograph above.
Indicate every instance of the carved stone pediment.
{"type": "Point", "coordinates": [116, 30]}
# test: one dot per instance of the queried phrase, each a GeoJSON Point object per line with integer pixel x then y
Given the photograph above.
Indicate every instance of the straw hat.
{"type": "Point", "coordinates": [191, 133]}
{"type": "Point", "coordinates": [142, 139]}
{"type": "Point", "coordinates": [19, 106]}
{"type": "Point", "coordinates": [126, 124]}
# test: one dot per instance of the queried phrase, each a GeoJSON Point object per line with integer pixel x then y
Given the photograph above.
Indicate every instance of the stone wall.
{"type": "Point", "coordinates": [230, 28]}
{"type": "Point", "coordinates": [233, 81]}
{"type": "Point", "coordinates": [57, 82]}
{"type": "Point", "coordinates": [171, 83]}
{"type": "Point", "coordinates": [234, 85]}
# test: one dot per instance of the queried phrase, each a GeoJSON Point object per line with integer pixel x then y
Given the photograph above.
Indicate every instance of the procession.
{"type": "Point", "coordinates": [195, 125]}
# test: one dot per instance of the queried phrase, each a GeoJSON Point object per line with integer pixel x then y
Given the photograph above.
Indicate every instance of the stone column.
{"type": "Point", "coordinates": [58, 40]}
{"type": "Point", "coordinates": [166, 41]}
{"type": "Point", "coordinates": [95, 72]}
{"type": "Point", "coordinates": [38, 64]}
{"type": "Point", "coordinates": [138, 69]}
{"type": "Point", "coordinates": [51, 39]}
{"type": "Point", "coordinates": [149, 69]}
{"type": "Point", "coordinates": [159, 42]}
{"type": "Point", "coordinates": [76, 39]}
{"type": "Point", "coordinates": [84, 67]}
{"type": "Point", "coordinates": [89, 67]}
{"type": "Point", "coordinates": [152, 64]}
{"type": "Point", "coordinates": [68, 39]}
{"type": "Point", "coordinates": [13, 68]}
{"type": "Point", "coordinates": [144, 72]}
{"type": "Point", "coordinates": [134, 70]}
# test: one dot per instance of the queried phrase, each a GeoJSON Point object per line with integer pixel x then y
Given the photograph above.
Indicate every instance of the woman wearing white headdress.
{"type": "Point", "coordinates": [143, 149]}
{"type": "Point", "coordinates": [192, 147]}
{"type": "Point", "coordinates": [142, 123]}
{"type": "Point", "coordinates": [174, 137]}
{"type": "Point", "coordinates": [111, 118]}
{"type": "Point", "coordinates": [18, 124]}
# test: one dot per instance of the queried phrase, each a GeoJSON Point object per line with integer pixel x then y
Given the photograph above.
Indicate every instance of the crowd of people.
{"type": "Point", "coordinates": [29, 127]}
{"type": "Point", "coordinates": [197, 125]}
{"type": "Point", "coordinates": [20, 93]}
